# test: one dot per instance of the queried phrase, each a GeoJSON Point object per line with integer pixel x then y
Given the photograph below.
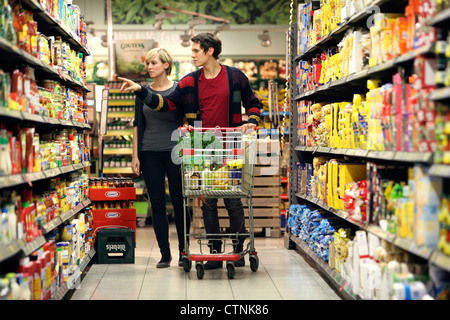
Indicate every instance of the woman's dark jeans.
{"type": "Point", "coordinates": [155, 165]}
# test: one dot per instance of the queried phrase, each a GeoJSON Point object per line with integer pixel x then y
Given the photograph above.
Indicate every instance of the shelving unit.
{"type": "Point", "coordinates": [120, 110]}
{"type": "Point", "coordinates": [14, 57]}
{"type": "Point", "coordinates": [344, 89]}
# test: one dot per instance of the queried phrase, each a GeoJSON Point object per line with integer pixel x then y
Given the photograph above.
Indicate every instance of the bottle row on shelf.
{"type": "Point", "coordinates": [365, 266]}
{"type": "Point", "coordinates": [20, 29]}
{"type": "Point", "coordinates": [19, 26]}
{"type": "Point", "coordinates": [391, 116]}
{"type": "Point", "coordinates": [388, 37]}
{"type": "Point", "coordinates": [26, 211]}
{"type": "Point", "coordinates": [111, 183]}
{"type": "Point", "coordinates": [28, 151]}
{"type": "Point", "coordinates": [51, 270]}
{"type": "Point", "coordinates": [119, 143]}
{"type": "Point", "coordinates": [121, 108]}
{"type": "Point", "coordinates": [117, 162]}
{"type": "Point", "coordinates": [107, 205]}
{"type": "Point", "coordinates": [400, 200]}
{"type": "Point", "coordinates": [19, 90]}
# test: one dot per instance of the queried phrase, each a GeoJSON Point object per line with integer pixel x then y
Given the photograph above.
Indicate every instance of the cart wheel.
{"type": "Point", "coordinates": [187, 265]}
{"type": "Point", "coordinates": [254, 263]}
{"type": "Point", "coordinates": [200, 270]}
{"type": "Point", "coordinates": [230, 270]}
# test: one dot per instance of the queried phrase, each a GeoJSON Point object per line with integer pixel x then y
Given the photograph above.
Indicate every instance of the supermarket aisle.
{"type": "Point", "coordinates": [282, 275]}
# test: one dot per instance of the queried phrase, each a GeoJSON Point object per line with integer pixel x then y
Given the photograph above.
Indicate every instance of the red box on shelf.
{"type": "Point", "coordinates": [114, 218]}
{"type": "Point", "coordinates": [112, 194]}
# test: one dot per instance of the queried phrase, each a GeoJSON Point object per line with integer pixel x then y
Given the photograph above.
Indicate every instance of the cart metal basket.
{"type": "Point", "coordinates": [218, 163]}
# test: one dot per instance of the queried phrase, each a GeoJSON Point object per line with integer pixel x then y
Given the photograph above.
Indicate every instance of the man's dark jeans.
{"type": "Point", "coordinates": [236, 215]}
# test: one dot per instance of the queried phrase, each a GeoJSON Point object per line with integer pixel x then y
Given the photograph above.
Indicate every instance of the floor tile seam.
{"type": "Point", "coordinates": [98, 283]}
{"type": "Point", "coordinates": [270, 277]}
{"type": "Point", "coordinates": [145, 273]}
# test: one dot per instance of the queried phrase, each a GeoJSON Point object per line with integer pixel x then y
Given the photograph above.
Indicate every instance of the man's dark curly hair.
{"type": "Point", "coordinates": [208, 40]}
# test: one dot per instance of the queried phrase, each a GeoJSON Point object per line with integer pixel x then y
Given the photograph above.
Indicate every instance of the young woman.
{"type": "Point", "coordinates": [152, 149]}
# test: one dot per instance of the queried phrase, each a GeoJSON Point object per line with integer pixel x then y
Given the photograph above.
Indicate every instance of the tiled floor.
{"type": "Point", "coordinates": [282, 275]}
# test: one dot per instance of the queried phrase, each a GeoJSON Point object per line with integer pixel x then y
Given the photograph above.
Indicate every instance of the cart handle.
{"type": "Point", "coordinates": [191, 128]}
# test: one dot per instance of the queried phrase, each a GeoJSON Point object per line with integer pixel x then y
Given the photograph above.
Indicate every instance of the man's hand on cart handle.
{"type": "Point", "coordinates": [129, 85]}
{"type": "Point", "coordinates": [248, 127]}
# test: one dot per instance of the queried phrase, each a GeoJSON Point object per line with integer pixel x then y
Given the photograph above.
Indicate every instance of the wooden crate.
{"type": "Point", "coordinates": [265, 198]}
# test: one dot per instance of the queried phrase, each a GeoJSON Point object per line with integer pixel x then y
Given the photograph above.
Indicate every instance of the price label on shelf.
{"type": "Point", "coordinates": [356, 152]}
{"type": "Point", "coordinates": [67, 215]}
{"type": "Point", "coordinates": [49, 173]}
{"type": "Point", "coordinates": [51, 224]}
{"type": "Point", "coordinates": [12, 180]}
{"type": "Point", "coordinates": [442, 260]}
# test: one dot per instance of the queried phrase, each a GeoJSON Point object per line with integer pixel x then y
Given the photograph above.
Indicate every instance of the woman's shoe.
{"type": "Point", "coordinates": [180, 260]}
{"type": "Point", "coordinates": [164, 263]}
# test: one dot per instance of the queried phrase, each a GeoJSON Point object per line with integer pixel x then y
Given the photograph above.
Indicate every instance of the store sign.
{"type": "Point", "coordinates": [130, 57]}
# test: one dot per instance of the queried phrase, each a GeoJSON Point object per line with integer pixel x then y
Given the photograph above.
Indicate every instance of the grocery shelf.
{"type": "Point", "coordinates": [113, 133]}
{"type": "Point", "coordinates": [338, 33]}
{"type": "Point", "coordinates": [9, 250]}
{"type": "Point", "coordinates": [281, 113]}
{"type": "Point", "coordinates": [118, 151]}
{"type": "Point", "coordinates": [50, 26]}
{"type": "Point", "coordinates": [38, 119]}
{"type": "Point", "coordinates": [399, 156]}
{"type": "Point", "coordinates": [434, 255]}
{"type": "Point", "coordinates": [347, 86]}
{"type": "Point", "coordinates": [11, 54]}
{"type": "Point", "coordinates": [441, 19]}
{"type": "Point", "coordinates": [65, 216]}
{"type": "Point", "coordinates": [120, 103]}
{"type": "Point", "coordinates": [336, 279]}
{"type": "Point", "coordinates": [18, 179]}
{"type": "Point", "coordinates": [117, 170]}
{"type": "Point", "coordinates": [129, 114]}
{"type": "Point", "coordinates": [441, 95]}
{"type": "Point", "coordinates": [440, 170]}
{"type": "Point", "coordinates": [74, 278]}
{"type": "Point", "coordinates": [341, 214]}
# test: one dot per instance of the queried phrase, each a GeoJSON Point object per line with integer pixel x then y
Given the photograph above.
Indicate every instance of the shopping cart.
{"type": "Point", "coordinates": [218, 163]}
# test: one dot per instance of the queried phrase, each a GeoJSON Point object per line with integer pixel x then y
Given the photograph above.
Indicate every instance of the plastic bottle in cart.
{"type": "Point", "coordinates": [206, 175]}
{"type": "Point", "coordinates": [195, 179]}
{"type": "Point", "coordinates": [187, 177]}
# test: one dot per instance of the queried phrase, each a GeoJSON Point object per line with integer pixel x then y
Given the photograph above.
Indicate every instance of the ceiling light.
{"type": "Point", "coordinates": [157, 24]}
{"type": "Point", "coordinates": [185, 39]}
{"type": "Point", "coordinates": [196, 22]}
{"type": "Point", "coordinates": [265, 38]}
{"type": "Point", "coordinates": [222, 27]}
{"type": "Point", "coordinates": [160, 17]}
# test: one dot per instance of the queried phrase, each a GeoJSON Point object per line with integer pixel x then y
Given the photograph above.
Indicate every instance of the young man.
{"type": "Point", "coordinates": [214, 95]}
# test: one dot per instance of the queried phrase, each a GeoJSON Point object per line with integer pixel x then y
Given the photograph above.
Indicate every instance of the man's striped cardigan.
{"type": "Point", "coordinates": [185, 98]}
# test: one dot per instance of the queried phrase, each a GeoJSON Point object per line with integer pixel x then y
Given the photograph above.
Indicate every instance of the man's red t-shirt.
{"type": "Point", "coordinates": [213, 95]}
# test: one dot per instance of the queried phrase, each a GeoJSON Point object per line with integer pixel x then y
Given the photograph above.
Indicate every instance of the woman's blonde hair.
{"type": "Point", "coordinates": [163, 55]}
